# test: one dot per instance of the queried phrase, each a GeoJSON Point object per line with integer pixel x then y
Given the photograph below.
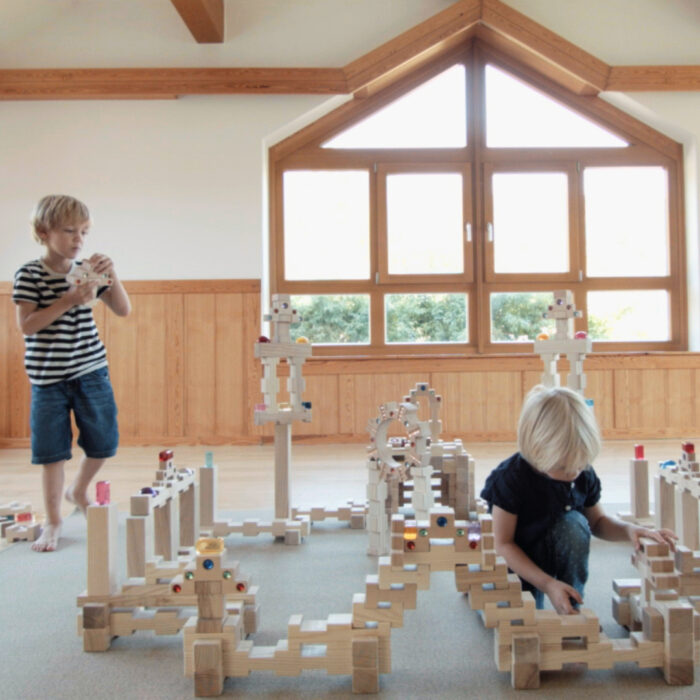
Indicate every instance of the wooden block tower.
{"type": "Point", "coordinates": [453, 468]}
{"type": "Point", "coordinates": [565, 342]}
{"type": "Point", "coordinates": [271, 351]}
{"type": "Point", "coordinates": [639, 490]}
{"type": "Point", "coordinates": [385, 472]}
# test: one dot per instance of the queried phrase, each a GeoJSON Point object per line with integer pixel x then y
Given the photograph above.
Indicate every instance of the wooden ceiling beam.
{"type": "Point", "coordinates": [653, 78]}
{"type": "Point", "coordinates": [137, 83]}
{"type": "Point", "coordinates": [204, 19]}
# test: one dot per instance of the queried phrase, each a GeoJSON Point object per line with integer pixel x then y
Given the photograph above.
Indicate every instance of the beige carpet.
{"type": "Point", "coordinates": [442, 651]}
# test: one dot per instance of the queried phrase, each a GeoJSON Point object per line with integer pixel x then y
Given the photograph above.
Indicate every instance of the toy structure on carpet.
{"type": "Point", "coordinates": [291, 524]}
{"type": "Point", "coordinates": [663, 608]}
{"type": "Point", "coordinates": [357, 643]}
{"type": "Point", "coordinates": [161, 531]}
{"type": "Point", "coordinates": [18, 523]}
{"type": "Point", "coordinates": [410, 471]}
{"type": "Point", "coordinates": [669, 581]}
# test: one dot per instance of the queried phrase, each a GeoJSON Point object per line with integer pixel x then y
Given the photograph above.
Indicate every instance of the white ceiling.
{"type": "Point", "coordinates": [323, 33]}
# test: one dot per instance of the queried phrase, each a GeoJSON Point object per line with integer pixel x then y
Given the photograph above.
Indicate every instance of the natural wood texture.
{"type": "Point", "coordinates": [497, 23]}
{"type": "Point", "coordinates": [653, 78]}
{"type": "Point", "coordinates": [204, 18]}
{"type": "Point", "coordinates": [478, 162]}
{"type": "Point", "coordinates": [163, 83]}
{"type": "Point", "coordinates": [408, 50]}
{"type": "Point", "coordinates": [183, 372]}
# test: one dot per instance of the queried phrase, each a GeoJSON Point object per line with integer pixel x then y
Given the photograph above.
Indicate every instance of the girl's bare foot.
{"type": "Point", "coordinates": [48, 540]}
{"type": "Point", "coordinates": [80, 502]}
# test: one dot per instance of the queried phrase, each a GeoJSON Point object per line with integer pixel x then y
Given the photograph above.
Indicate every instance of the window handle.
{"type": "Point", "coordinates": [468, 232]}
{"type": "Point", "coordinates": [489, 232]}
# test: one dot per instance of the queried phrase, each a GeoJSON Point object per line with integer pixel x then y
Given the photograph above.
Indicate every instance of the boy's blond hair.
{"type": "Point", "coordinates": [56, 210]}
{"type": "Point", "coordinates": [557, 429]}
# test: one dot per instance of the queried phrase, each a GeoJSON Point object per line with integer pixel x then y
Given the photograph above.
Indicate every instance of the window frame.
{"type": "Point", "coordinates": [304, 150]}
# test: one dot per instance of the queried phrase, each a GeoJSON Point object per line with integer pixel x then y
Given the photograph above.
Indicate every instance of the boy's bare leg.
{"type": "Point", "coordinates": [76, 493]}
{"type": "Point", "coordinates": [52, 478]}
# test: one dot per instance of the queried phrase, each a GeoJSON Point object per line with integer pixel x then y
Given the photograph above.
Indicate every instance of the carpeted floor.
{"type": "Point", "coordinates": [442, 651]}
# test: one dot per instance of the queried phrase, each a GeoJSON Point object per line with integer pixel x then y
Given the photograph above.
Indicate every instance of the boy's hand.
{"type": "Point", "coordinates": [82, 294]}
{"type": "Point", "coordinates": [662, 536]}
{"type": "Point", "coordinates": [561, 595]}
{"type": "Point", "coordinates": [101, 264]}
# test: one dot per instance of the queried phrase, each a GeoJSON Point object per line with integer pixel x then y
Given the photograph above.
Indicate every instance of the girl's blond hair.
{"type": "Point", "coordinates": [56, 210]}
{"type": "Point", "coordinates": [557, 429]}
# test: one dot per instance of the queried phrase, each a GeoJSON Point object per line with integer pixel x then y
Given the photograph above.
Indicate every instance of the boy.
{"type": "Point", "coordinates": [65, 359]}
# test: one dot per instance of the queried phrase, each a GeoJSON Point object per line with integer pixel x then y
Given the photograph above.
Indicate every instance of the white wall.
{"type": "Point", "coordinates": [176, 187]}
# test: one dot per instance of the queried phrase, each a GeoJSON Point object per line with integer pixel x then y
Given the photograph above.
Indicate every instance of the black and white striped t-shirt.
{"type": "Point", "coordinates": [71, 345]}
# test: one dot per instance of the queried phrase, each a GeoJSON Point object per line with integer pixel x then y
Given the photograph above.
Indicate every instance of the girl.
{"type": "Point", "coordinates": [545, 499]}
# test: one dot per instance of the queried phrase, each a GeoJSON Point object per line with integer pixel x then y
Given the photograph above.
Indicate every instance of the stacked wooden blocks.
{"type": "Point", "coordinates": [17, 522]}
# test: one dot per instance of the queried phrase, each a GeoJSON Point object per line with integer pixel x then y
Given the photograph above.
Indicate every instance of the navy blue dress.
{"type": "Point", "coordinates": [538, 500]}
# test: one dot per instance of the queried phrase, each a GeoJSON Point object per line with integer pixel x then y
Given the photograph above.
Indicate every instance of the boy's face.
{"type": "Point", "coordinates": [66, 241]}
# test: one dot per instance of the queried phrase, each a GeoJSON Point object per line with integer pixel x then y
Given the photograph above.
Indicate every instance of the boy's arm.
{"type": "Point", "coordinates": [31, 319]}
{"type": "Point", "coordinates": [615, 530]}
{"type": "Point", "coordinates": [558, 592]}
{"type": "Point", "coordinates": [115, 297]}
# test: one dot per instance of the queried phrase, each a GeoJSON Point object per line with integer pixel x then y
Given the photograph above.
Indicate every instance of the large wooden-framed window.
{"type": "Point", "coordinates": [438, 215]}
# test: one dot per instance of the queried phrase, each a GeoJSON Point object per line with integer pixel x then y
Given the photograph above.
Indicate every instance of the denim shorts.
{"type": "Point", "coordinates": [91, 399]}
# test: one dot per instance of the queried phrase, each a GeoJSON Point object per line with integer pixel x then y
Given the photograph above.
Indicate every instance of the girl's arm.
{"type": "Point", "coordinates": [115, 297]}
{"type": "Point", "coordinates": [558, 592]}
{"type": "Point", "coordinates": [615, 530]}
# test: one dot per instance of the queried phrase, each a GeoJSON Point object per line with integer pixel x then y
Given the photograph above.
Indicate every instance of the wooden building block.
{"type": "Point", "coordinates": [365, 665]}
{"type": "Point", "coordinates": [207, 495]}
{"type": "Point", "coordinates": [208, 668]}
{"type": "Point", "coordinates": [525, 665]}
{"type": "Point", "coordinates": [139, 544]}
{"type": "Point", "coordinates": [102, 550]}
{"type": "Point", "coordinates": [652, 624]}
{"type": "Point", "coordinates": [189, 515]}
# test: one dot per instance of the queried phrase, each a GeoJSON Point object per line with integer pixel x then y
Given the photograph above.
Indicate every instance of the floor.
{"type": "Point", "coordinates": [321, 474]}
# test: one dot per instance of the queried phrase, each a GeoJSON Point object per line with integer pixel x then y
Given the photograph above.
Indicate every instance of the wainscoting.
{"type": "Point", "coordinates": [183, 371]}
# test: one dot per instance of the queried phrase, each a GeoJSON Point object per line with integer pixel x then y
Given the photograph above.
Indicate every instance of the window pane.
{"type": "Point", "coordinates": [626, 221]}
{"type": "Point", "coordinates": [531, 222]}
{"type": "Point", "coordinates": [629, 316]}
{"type": "Point", "coordinates": [426, 318]}
{"type": "Point", "coordinates": [516, 317]}
{"type": "Point", "coordinates": [433, 115]}
{"type": "Point", "coordinates": [424, 221]}
{"type": "Point", "coordinates": [329, 319]}
{"type": "Point", "coordinates": [518, 116]}
{"type": "Point", "coordinates": [326, 224]}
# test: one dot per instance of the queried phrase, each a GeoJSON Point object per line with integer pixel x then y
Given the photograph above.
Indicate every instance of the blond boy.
{"type": "Point", "coordinates": [65, 359]}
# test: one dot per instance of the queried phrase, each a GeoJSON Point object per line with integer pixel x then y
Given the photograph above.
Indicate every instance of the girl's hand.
{"type": "Point", "coordinates": [101, 264]}
{"type": "Point", "coordinates": [662, 536]}
{"type": "Point", "coordinates": [560, 594]}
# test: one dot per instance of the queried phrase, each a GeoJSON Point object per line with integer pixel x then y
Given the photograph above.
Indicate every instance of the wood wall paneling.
{"type": "Point", "coordinates": [183, 371]}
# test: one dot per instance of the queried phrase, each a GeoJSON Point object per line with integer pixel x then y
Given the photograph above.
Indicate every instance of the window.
{"type": "Point", "coordinates": [438, 215]}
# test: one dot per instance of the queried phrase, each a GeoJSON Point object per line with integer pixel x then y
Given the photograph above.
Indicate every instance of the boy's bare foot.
{"type": "Point", "coordinates": [80, 502]}
{"type": "Point", "coordinates": [48, 540]}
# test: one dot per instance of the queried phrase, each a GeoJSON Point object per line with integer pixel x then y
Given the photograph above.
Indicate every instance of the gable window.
{"type": "Point", "coordinates": [439, 214]}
